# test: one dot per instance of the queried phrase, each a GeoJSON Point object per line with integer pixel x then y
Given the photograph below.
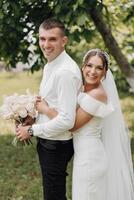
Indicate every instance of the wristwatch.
{"type": "Point", "coordinates": [30, 131]}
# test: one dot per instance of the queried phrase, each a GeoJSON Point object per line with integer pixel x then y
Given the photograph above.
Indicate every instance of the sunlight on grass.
{"type": "Point", "coordinates": [16, 83]}
{"type": "Point", "coordinates": [127, 105]}
{"type": "Point", "coordinates": [6, 127]}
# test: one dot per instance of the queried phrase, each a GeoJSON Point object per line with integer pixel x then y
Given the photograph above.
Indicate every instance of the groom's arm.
{"type": "Point", "coordinates": [66, 86]}
{"type": "Point", "coordinates": [67, 90]}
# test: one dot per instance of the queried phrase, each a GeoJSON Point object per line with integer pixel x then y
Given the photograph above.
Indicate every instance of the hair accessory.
{"type": "Point", "coordinates": [98, 51]}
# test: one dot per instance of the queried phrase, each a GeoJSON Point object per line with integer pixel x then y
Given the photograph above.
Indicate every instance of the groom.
{"type": "Point", "coordinates": [60, 86]}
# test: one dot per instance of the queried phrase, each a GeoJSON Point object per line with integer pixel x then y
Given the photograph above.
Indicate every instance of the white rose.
{"type": "Point", "coordinates": [30, 107]}
{"type": "Point", "coordinates": [22, 113]}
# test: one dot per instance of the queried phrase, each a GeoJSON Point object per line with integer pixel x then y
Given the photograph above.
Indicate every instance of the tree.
{"type": "Point", "coordinates": [112, 45]}
{"type": "Point", "coordinates": [19, 19]}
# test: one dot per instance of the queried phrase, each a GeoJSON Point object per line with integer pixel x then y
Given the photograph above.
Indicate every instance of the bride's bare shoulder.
{"type": "Point", "coordinates": [99, 94]}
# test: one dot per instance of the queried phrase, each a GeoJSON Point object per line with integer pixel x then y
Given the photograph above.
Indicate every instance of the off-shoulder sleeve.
{"type": "Point", "coordinates": [94, 106]}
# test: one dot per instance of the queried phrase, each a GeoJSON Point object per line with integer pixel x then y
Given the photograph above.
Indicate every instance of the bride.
{"type": "Point", "coordinates": [102, 167]}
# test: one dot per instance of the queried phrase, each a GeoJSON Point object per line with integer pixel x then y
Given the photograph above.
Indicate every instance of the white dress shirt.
{"type": "Point", "coordinates": [60, 86]}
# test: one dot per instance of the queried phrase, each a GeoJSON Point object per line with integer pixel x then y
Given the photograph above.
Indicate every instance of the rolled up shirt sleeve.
{"type": "Point", "coordinates": [66, 84]}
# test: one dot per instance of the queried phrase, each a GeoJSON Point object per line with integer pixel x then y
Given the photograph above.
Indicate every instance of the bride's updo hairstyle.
{"type": "Point", "coordinates": [97, 52]}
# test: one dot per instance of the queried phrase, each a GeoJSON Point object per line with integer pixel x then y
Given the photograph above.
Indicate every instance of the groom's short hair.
{"type": "Point", "coordinates": [51, 23]}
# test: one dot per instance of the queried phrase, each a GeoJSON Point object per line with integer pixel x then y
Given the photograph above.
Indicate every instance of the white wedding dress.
{"type": "Point", "coordinates": [90, 160]}
{"type": "Point", "coordinates": [103, 168]}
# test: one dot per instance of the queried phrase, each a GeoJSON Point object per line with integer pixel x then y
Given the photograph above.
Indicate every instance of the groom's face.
{"type": "Point", "coordinates": [52, 42]}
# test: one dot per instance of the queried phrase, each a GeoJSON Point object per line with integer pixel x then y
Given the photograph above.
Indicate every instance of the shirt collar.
{"type": "Point", "coordinates": [57, 59]}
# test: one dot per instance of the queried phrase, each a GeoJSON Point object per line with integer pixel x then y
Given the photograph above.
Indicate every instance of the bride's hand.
{"type": "Point", "coordinates": [41, 106]}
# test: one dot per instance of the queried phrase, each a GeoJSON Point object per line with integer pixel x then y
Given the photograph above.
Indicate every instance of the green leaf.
{"type": "Point", "coordinates": [82, 19]}
{"type": "Point", "coordinates": [80, 2]}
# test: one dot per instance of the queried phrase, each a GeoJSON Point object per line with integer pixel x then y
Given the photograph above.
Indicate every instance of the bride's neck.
{"type": "Point", "coordinates": [88, 87]}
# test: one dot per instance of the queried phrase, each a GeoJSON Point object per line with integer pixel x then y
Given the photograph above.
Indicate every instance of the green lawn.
{"type": "Point", "coordinates": [20, 177]}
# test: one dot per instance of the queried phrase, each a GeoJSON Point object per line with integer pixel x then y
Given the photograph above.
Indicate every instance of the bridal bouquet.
{"type": "Point", "coordinates": [19, 108]}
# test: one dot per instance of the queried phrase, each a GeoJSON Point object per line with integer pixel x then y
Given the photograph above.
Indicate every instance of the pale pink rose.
{"type": "Point", "coordinates": [23, 113]}
{"type": "Point", "coordinates": [30, 107]}
{"type": "Point", "coordinates": [16, 106]}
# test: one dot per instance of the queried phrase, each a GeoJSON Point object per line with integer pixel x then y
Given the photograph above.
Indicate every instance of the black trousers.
{"type": "Point", "coordinates": [54, 157]}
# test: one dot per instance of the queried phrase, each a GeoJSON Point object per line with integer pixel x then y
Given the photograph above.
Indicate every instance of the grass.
{"type": "Point", "coordinates": [20, 177]}
{"type": "Point", "coordinates": [18, 82]}
{"type": "Point", "coordinates": [127, 105]}
{"type": "Point", "coordinates": [20, 173]}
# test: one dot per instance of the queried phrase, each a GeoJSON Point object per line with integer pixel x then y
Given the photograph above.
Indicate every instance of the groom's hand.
{"type": "Point", "coordinates": [22, 132]}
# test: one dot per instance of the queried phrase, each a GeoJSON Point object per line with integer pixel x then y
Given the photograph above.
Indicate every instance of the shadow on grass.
{"type": "Point", "coordinates": [20, 177]}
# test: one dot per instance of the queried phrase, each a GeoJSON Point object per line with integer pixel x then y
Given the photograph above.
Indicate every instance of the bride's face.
{"type": "Point", "coordinates": [93, 70]}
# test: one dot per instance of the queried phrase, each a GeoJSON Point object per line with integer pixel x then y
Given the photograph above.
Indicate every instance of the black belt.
{"type": "Point", "coordinates": [53, 144]}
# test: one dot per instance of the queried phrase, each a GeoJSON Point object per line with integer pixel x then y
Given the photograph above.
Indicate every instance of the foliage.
{"type": "Point", "coordinates": [121, 21]}
{"type": "Point", "coordinates": [121, 83]}
{"type": "Point", "coordinates": [21, 19]}
{"type": "Point", "coordinates": [19, 22]}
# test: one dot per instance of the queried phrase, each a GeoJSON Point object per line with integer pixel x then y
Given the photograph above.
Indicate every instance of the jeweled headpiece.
{"type": "Point", "coordinates": [105, 54]}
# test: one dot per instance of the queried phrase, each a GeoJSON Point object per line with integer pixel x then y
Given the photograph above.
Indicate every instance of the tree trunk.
{"type": "Point", "coordinates": [112, 45]}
